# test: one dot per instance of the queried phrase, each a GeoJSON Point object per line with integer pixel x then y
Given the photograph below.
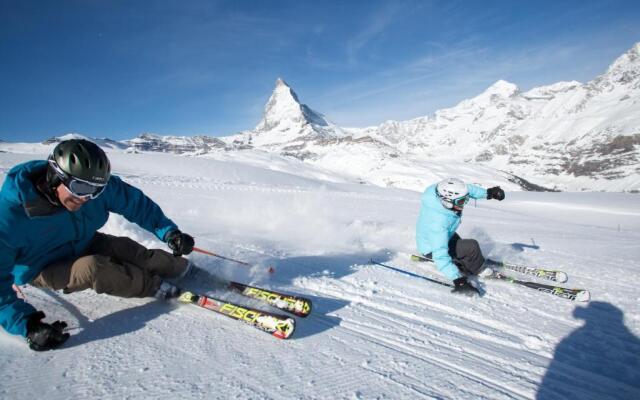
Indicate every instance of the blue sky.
{"type": "Point", "coordinates": [120, 68]}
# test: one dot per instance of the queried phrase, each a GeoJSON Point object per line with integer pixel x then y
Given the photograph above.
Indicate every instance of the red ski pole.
{"type": "Point", "coordinates": [271, 269]}
{"type": "Point", "coordinates": [219, 256]}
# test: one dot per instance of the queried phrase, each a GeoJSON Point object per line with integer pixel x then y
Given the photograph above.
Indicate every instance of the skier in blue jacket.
{"type": "Point", "coordinates": [50, 212]}
{"type": "Point", "coordinates": [436, 237]}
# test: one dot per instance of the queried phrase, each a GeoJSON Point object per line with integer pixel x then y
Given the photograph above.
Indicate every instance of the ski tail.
{"type": "Point", "coordinates": [296, 305]}
{"type": "Point", "coordinates": [277, 325]}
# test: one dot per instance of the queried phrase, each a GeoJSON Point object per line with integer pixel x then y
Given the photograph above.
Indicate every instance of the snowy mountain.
{"type": "Point", "coordinates": [174, 144]}
{"type": "Point", "coordinates": [292, 129]}
{"type": "Point", "coordinates": [104, 143]}
{"type": "Point", "coordinates": [566, 136]}
{"type": "Point", "coordinates": [284, 112]}
{"type": "Point", "coordinates": [286, 121]}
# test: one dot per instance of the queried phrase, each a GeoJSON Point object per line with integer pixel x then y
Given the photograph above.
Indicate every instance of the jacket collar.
{"type": "Point", "coordinates": [30, 189]}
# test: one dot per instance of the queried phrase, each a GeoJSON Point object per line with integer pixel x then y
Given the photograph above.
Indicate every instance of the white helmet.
{"type": "Point", "coordinates": [453, 193]}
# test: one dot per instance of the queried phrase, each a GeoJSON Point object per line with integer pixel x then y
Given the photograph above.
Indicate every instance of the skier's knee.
{"type": "Point", "coordinates": [87, 267]}
{"type": "Point", "coordinates": [474, 246]}
{"type": "Point", "coordinates": [84, 272]}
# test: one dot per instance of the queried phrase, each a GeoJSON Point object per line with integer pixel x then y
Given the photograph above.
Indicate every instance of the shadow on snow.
{"type": "Point", "coordinates": [600, 360]}
{"type": "Point", "coordinates": [521, 246]}
{"type": "Point", "coordinates": [115, 324]}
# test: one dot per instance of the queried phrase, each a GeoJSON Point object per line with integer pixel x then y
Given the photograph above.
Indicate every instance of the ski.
{"type": "Point", "coordinates": [279, 326]}
{"type": "Point", "coordinates": [552, 275]}
{"type": "Point", "coordinates": [565, 293]}
{"type": "Point", "coordinates": [296, 305]}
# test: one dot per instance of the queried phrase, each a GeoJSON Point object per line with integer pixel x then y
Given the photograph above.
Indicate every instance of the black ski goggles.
{"type": "Point", "coordinates": [77, 187]}
{"type": "Point", "coordinates": [83, 189]}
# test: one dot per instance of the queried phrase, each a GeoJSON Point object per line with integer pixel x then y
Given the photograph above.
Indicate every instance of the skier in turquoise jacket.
{"type": "Point", "coordinates": [50, 212]}
{"type": "Point", "coordinates": [436, 238]}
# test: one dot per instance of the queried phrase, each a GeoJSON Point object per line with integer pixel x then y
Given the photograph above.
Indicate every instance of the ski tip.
{"type": "Point", "coordinates": [187, 297]}
{"type": "Point", "coordinates": [285, 328]}
{"type": "Point", "coordinates": [304, 309]}
{"type": "Point", "coordinates": [583, 296]}
{"type": "Point", "coordinates": [561, 277]}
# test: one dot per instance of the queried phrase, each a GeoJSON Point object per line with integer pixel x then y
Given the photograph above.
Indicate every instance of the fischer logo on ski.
{"type": "Point", "coordinates": [238, 312]}
{"type": "Point", "coordinates": [279, 326]}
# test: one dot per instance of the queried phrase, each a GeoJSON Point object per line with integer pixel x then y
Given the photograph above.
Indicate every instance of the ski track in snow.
{"type": "Point", "coordinates": [374, 333]}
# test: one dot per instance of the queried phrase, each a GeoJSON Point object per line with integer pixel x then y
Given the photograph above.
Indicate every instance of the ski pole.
{"type": "Point", "coordinates": [219, 256]}
{"type": "Point", "coordinates": [411, 274]}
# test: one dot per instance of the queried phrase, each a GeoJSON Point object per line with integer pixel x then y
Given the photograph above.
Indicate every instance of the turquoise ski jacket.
{"type": "Point", "coordinates": [435, 227]}
{"type": "Point", "coordinates": [29, 243]}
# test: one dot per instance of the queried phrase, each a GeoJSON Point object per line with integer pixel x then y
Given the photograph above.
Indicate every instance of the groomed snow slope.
{"type": "Point", "coordinates": [374, 333]}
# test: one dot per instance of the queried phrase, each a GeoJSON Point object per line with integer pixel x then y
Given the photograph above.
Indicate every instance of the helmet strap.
{"type": "Point", "coordinates": [50, 185]}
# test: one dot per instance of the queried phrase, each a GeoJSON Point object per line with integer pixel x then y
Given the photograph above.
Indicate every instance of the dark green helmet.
{"type": "Point", "coordinates": [80, 159]}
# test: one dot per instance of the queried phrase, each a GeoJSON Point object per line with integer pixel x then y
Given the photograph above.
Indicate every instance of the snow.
{"type": "Point", "coordinates": [374, 332]}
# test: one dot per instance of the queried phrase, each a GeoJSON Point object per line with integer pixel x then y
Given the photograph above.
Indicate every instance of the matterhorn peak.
{"type": "Point", "coordinates": [284, 111]}
{"type": "Point", "coordinates": [281, 82]}
{"type": "Point", "coordinates": [284, 90]}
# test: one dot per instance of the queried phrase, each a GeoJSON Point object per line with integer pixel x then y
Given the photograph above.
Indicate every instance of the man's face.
{"type": "Point", "coordinates": [68, 200]}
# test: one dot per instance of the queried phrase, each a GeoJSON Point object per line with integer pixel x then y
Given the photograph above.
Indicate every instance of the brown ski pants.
{"type": "Point", "coordinates": [113, 265]}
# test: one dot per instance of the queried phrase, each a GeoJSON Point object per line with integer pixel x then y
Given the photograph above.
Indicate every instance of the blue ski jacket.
{"type": "Point", "coordinates": [436, 225]}
{"type": "Point", "coordinates": [29, 243]}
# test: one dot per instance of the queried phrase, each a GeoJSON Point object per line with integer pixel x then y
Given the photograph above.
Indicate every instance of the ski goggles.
{"type": "Point", "coordinates": [77, 187]}
{"type": "Point", "coordinates": [83, 189]}
{"type": "Point", "coordinates": [460, 201]}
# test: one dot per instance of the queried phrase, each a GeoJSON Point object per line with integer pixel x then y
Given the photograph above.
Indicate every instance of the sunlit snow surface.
{"type": "Point", "coordinates": [374, 333]}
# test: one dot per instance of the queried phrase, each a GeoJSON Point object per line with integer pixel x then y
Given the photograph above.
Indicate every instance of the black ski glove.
{"type": "Point", "coordinates": [495, 193]}
{"type": "Point", "coordinates": [180, 243]}
{"type": "Point", "coordinates": [42, 336]}
{"type": "Point", "coordinates": [462, 285]}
